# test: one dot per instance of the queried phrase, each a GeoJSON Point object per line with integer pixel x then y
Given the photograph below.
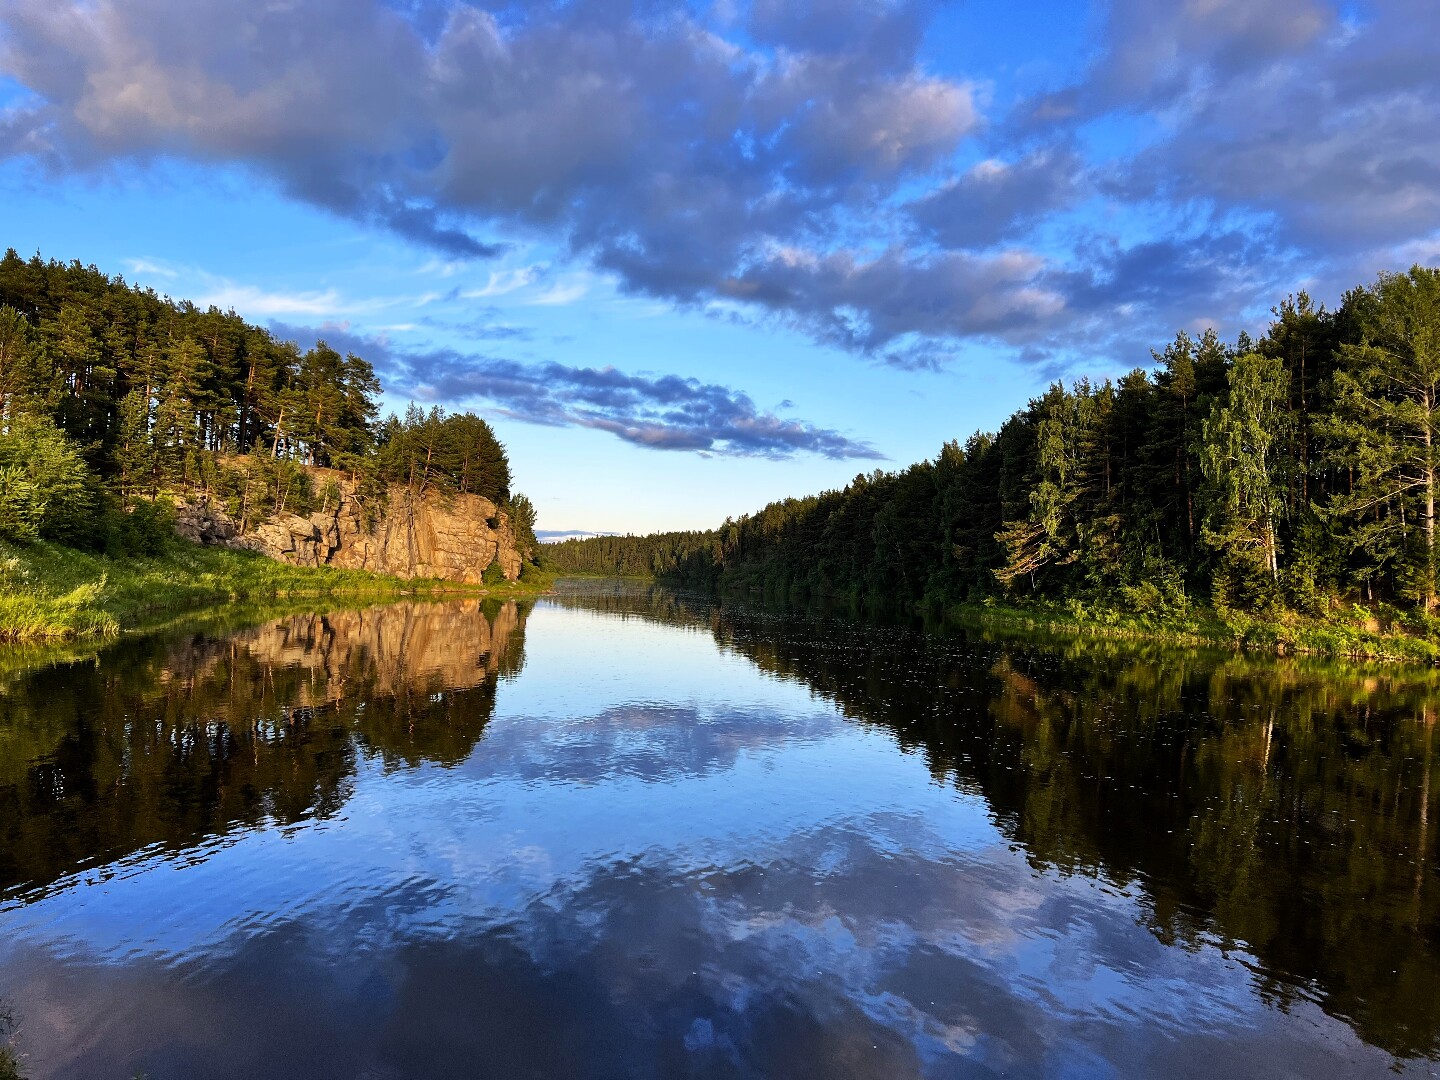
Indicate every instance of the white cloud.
{"type": "Point", "coordinates": [565, 292]}
{"type": "Point", "coordinates": [149, 266]}
{"type": "Point", "coordinates": [256, 303]}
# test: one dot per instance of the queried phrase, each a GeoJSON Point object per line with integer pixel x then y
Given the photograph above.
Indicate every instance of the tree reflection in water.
{"type": "Point", "coordinates": [1284, 805]}
{"type": "Point", "coordinates": [173, 741]}
{"type": "Point", "coordinates": [1282, 808]}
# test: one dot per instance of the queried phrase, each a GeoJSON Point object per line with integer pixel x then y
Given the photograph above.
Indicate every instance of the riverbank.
{"type": "Point", "coordinates": [54, 593]}
{"type": "Point", "coordinates": [1355, 634]}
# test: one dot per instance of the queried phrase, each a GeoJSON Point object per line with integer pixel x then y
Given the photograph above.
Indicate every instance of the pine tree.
{"type": "Point", "coordinates": [1386, 425]}
{"type": "Point", "coordinates": [22, 381]}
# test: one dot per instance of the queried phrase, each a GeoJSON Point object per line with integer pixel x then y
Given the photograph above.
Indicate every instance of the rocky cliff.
{"type": "Point", "coordinates": [428, 534]}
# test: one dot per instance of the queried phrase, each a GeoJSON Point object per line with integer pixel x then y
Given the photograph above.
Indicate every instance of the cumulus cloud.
{"type": "Point", "coordinates": [1342, 146]}
{"type": "Point", "coordinates": [1157, 52]}
{"type": "Point", "coordinates": [999, 200]}
{"type": "Point", "coordinates": [643, 137]}
{"type": "Point", "coordinates": [1321, 123]}
{"type": "Point", "coordinates": [800, 158]}
{"type": "Point", "coordinates": [658, 412]}
{"type": "Point", "coordinates": [868, 304]}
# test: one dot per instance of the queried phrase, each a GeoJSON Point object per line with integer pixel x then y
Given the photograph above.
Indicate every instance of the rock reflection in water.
{"type": "Point", "coordinates": [170, 742]}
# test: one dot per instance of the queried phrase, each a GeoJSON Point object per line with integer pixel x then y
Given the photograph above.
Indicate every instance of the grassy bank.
{"type": "Point", "coordinates": [54, 593]}
{"type": "Point", "coordinates": [1353, 633]}
{"type": "Point", "coordinates": [9, 1056]}
{"type": "Point", "coordinates": [1380, 632]}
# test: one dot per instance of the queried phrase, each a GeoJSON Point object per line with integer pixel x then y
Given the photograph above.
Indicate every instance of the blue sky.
{"type": "Point", "coordinates": [691, 258]}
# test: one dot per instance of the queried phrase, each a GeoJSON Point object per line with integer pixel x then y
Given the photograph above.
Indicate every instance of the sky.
{"type": "Point", "coordinates": [691, 258]}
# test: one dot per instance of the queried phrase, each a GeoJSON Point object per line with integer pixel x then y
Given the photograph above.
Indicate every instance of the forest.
{"type": "Point", "coordinates": [112, 395]}
{"type": "Point", "coordinates": [1294, 473]}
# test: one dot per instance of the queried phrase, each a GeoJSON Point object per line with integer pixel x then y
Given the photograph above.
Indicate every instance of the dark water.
{"type": "Point", "coordinates": [625, 834]}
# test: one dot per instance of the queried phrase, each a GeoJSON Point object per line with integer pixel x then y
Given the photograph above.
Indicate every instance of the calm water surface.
{"type": "Point", "coordinates": [623, 833]}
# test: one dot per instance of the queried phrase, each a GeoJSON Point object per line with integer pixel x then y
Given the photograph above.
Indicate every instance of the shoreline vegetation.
{"type": "Point", "coordinates": [1358, 636]}
{"type": "Point", "coordinates": [52, 593]}
{"type": "Point", "coordinates": [1275, 495]}
{"type": "Point", "coordinates": [1361, 634]}
{"type": "Point", "coordinates": [114, 400]}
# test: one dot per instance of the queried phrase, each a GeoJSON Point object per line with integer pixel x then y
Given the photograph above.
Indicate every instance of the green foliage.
{"type": "Point", "coordinates": [147, 530]}
{"type": "Point", "coordinates": [1158, 591]}
{"type": "Point", "coordinates": [1384, 432]}
{"type": "Point", "coordinates": [52, 592]}
{"type": "Point", "coordinates": [521, 512]}
{"type": "Point", "coordinates": [158, 395]}
{"type": "Point", "coordinates": [9, 1058]}
{"type": "Point", "coordinates": [278, 486]}
{"type": "Point", "coordinates": [456, 453]}
{"type": "Point", "coordinates": [45, 489]}
{"type": "Point", "coordinates": [535, 577]}
{"type": "Point", "coordinates": [1242, 443]}
{"type": "Point", "coordinates": [1273, 476]}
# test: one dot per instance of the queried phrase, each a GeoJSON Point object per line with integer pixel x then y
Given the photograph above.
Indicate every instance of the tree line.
{"type": "Point", "coordinates": [1270, 474]}
{"type": "Point", "coordinates": [111, 394]}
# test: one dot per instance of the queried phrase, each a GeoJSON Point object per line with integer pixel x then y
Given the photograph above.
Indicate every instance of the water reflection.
{"type": "Point", "coordinates": [700, 840]}
{"type": "Point", "coordinates": [1282, 805]}
{"type": "Point", "coordinates": [169, 742]}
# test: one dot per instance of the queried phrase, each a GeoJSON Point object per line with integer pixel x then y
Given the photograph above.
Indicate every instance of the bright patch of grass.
{"type": "Point", "coordinates": [54, 593]}
{"type": "Point", "coordinates": [1346, 635]}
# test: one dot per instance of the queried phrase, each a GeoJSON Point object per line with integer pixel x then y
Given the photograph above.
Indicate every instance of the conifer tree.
{"type": "Point", "coordinates": [22, 381]}
{"type": "Point", "coordinates": [1386, 425]}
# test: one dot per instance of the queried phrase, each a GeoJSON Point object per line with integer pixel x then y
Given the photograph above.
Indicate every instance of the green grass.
{"type": "Point", "coordinates": [1346, 634]}
{"type": "Point", "coordinates": [51, 593]}
{"type": "Point", "coordinates": [1347, 631]}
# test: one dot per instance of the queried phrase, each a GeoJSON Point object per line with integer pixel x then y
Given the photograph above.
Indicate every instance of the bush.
{"type": "Point", "coordinates": [1245, 585]}
{"type": "Point", "coordinates": [148, 529]}
{"type": "Point", "coordinates": [1301, 590]}
{"type": "Point", "coordinates": [46, 491]}
{"type": "Point", "coordinates": [1160, 591]}
{"type": "Point", "coordinates": [9, 1059]}
{"type": "Point", "coordinates": [265, 486]}
{"type": "Point", "coordinates": [21, 507]}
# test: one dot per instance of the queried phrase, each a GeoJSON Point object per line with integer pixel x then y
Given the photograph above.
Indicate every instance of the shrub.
{"type": "Point", "coordinates": [46, 491]}
{"type": "Point", "coordinates": [1244, 585]}
{"type": "Point", "coordinates": [9, 1059]}
{"type": "Point", "coordinates": [148, 529]}
{"type": "Point", "coordinates": [279, 486]}
{"type": "Point", "coordinates": [1160, 590]}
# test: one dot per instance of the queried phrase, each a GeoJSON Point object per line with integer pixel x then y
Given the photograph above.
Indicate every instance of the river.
{"type": "Point", "coordinates": [623, 832]}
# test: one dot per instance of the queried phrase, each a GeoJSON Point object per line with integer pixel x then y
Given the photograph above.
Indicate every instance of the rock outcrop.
{"type": "Point", "coordinates": [424, 534]}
